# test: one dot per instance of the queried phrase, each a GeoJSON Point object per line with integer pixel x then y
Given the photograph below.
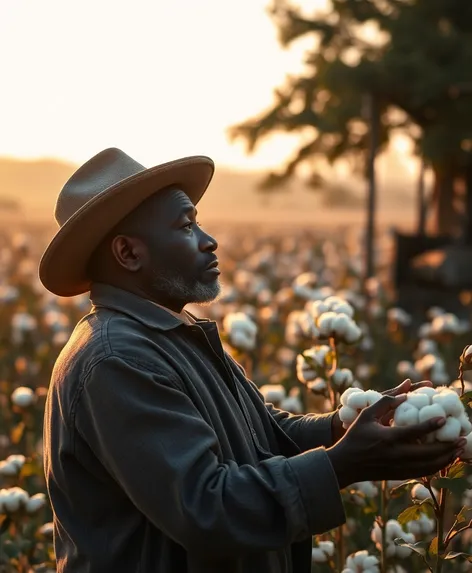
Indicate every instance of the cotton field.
{"type": "Point", "coordinates": [297, 315]}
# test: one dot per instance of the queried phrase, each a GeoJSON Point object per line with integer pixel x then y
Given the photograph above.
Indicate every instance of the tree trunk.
{"type": "Point", "coordinates": [445, 218]}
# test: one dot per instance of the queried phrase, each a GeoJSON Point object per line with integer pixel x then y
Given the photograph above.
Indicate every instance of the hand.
{"type": "Point", "coordinates": [372, 451]}
{"type": "Point", "coordinates": [406, 386]}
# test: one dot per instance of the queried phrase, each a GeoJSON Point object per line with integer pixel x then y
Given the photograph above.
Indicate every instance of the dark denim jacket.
{"type": "Point", "coordinates": [161, 456]}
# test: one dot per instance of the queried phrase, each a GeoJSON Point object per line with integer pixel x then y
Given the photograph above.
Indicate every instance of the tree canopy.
{"type": "Point", "coordinates": [413, 57]}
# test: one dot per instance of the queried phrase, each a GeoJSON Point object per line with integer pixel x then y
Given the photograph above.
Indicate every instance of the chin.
{"type": "Point", "coordinates": [206, 294]}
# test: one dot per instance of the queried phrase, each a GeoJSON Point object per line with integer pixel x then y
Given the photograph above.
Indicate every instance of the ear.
{"type": "Point", "coordinates": [129, 252]}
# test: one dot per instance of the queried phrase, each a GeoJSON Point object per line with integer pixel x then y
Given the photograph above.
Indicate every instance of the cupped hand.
{"type": "Point", "coordinates": [372, 451]}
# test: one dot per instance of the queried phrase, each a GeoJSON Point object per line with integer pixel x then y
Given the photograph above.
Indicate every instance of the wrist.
{"type": "Point", "coordinates": [339, 467]}
{"type": "Point", "coordinates": [337, 430]}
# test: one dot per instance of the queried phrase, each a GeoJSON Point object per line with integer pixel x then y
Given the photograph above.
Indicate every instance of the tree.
{"type": "Point", "coordinates": [417, 68]}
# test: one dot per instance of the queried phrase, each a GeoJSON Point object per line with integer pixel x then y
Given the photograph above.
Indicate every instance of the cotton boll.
{"type": "Point", "coordinates": [417, 400]}
{"type": "Point", "coordinates": [393, 529]}
{"type": "Point", "coordinates": [318, 385]}
{"type": "Point", "coordinates": [318, 555]}
{"type": "Point", "coordinates": [466, 425]}
{"type": "Point", "coordinates": [405, 415]}
{"type": "Point", "coordinates": [345, 395]}
{"type": "Point", "coordinates": [420, 492]}
{"type": "Point", "coordinates": [341, 324]}
{"type": "Point", "coordinates": [357, 401]}
{"type": "Point", "coordinates": [424, 525]}
{"type": "Point", "coordinates": [316, 308]}
{"type": "Point", "coordinates": [429, 412]}
{"type": "Point", "coordinates": [372, 396]}
{"type": "Point", "coordinates": [430, 392]}
{"type": "Point", "coordinates": [325, 324]}
{"type": "Point", "coordinates": [353, 334]}
{"type": "Point", "coordinates": [450, 402]}
{"type": "Point", "coordinates": [347, 415]}
{"type": "Point", "coordinates": [327, 547]}
{"type": "Point", "coordinates": [370, 561]}
{"type": "Point", "coordinates": [450, 431]}
{"type": "Point", "coordinates": [343, 377]}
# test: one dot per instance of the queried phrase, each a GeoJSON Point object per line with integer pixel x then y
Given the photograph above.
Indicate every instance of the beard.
{"type": "Point", "coordinates": [176, 287]}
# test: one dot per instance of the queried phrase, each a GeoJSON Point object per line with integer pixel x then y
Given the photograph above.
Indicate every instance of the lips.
{"type": "Point", "coordinates": [213, 265]}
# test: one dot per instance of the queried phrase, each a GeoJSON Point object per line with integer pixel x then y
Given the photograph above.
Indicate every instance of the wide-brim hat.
{"type": "Point", "coordinates": [96, 198]}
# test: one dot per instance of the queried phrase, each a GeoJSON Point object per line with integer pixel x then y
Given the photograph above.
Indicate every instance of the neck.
{"type": "Point", "coordinates": [163, 300]}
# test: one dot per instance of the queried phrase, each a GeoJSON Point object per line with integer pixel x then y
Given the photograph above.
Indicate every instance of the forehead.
{"type": "Point", "coordinates": [171, 203]}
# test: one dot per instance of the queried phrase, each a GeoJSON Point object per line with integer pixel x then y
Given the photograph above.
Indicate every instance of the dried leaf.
{"type": "Point", "coordinates": [457, 470]}
{"type": "Point", "coordinates": [17, 433]}
{"type": "Point", "coordinates": [433, 548]}
{"type": "Point", "coordinates": [455, 554]}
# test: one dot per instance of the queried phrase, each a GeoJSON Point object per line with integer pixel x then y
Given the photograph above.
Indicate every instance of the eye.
{"type": "Point", "coordinates": [190, 225]}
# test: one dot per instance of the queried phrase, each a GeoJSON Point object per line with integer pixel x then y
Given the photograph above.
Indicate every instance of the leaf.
{"type": "Point", "coordinates": [466, 398]}
{"type": "Point", "coordinates": [463, 514]}
{"type": "Point", "coordinates": [419, 547]}
{"type": "Point", "coordinates": [410, 514]}
{"type": "Point", "coordinates": [433, 548]}
{"type": "Point", "coordinates": [17, 433]}
{"type": "Point", "coordinates": [403, 487]}
{"type": "Point", "coordinates": [457, 470]}
{"type": "Point", "coordinates": [31, 468]}
{"type": "Point", "coordinates": [455, 554]}
{"type": "Point", "coordinates": [456, 485]}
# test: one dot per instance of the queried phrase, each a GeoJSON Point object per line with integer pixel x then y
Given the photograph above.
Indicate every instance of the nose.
{"type": "Point", "coordinates": [208, 243]}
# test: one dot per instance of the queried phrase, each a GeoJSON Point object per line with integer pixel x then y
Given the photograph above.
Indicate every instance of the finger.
{"type": "Point", "coordinates": [431, 452]}
{"type": "Point", "coordinates": [403, 388]}
{"type": "Point", "coordinates": [382, 408]}
{"type": "Point", "coordinates": [423, 384]}
{"type": "Point", "coordinates": [410, 433]}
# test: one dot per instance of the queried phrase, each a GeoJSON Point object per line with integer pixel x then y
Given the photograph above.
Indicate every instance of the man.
{"type": "Point", "coordinates": [160, 456]}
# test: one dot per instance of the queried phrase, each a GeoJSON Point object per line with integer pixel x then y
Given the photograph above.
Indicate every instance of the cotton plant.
{"type": "Point", "coordinates": [323, 552]}
{"type": "Point", "coordinates": [361, 562]}
{"type": "Point", "coordinates": [430, 494]}
{"type": "Point", "coordinates": [329, 323]}
{"type": "Point", "coordinates": [386, 542]}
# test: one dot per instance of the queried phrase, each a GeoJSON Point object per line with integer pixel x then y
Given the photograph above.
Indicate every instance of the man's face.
{"type": "Point", "coordinates": [179, 253]}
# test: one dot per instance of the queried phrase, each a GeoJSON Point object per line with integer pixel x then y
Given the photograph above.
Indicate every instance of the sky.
{"type": "Point", "coordinates": [159, 79]}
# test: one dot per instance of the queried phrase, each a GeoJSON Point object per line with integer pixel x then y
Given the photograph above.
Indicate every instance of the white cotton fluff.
{"type": "Point", "coordinates": [424, 525]}
{"type": "Point", "coordinates": [323, 552]}
{"type": "Point", "coordinates": [273, 393]}
{"type": "Point", "coordinates": [241, 330]}
{"type": "Point", "coordinates": [343, 378]}
{"type": "Point", "coordinates": [318, 385]}
{"type": "Point", "coordinates": [353, 401]}
{"type": "Point", "coordinates": [363, 490]}
{"type": "Point", "coordinates": [361, 562]}
{"type": "Point", "coordinates": [440, 402]}
{"type": "Point", "coordinates": [467, 455]}
{"type": "Point", "coordinates": [23, 397]}
{"type": "Point", "coordinates": [420, 492]}
{"type": "Point", "coordinates": [333, 317]}
{"type": "Point", "coordinates": [393, 530]}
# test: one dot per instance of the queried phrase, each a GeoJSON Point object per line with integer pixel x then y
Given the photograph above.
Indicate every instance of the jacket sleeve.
{"type": "Point", "coordinates": [154, 443]}
{"type": "Point", "coordinates": [308, 431]}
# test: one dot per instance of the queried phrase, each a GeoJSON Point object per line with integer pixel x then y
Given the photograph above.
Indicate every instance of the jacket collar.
{"type": "Point", "coordinates": [145, 311]}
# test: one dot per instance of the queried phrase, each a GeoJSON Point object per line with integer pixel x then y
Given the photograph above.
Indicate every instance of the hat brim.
{"type": "Point", "coordinates": [62, 268]}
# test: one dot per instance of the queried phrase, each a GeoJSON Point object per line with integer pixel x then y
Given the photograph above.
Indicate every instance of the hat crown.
{"type": "Point", "coordinates": [105, 169]}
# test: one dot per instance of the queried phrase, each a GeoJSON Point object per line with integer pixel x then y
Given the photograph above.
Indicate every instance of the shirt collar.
{"type": "Point", "coordinates": [145, 311]}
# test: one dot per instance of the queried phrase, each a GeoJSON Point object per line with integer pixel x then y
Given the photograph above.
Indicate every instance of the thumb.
{"type": "Point", "coordinates": [403, 388]}
{"type": "Point", "coordinates": [382, 408]}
